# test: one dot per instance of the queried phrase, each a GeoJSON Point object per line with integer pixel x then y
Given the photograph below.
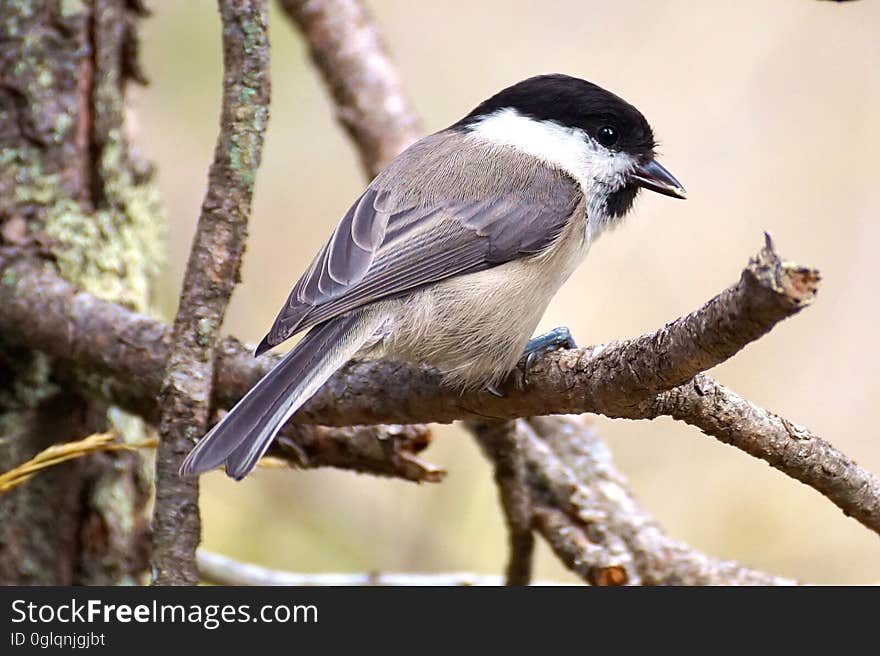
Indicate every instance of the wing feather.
{"type": "Point", "coordinates": [385, 246]}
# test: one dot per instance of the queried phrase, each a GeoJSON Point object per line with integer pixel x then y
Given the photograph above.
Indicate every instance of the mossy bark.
{"type": "Point", "coordinates": [72, 191]}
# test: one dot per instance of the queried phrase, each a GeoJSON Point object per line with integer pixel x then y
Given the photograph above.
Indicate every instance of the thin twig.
{"type": "Point", "coordinates": [378, 450]}
{"type": "Point", "coordinates": [574, 548]}
{"type": "Point", "coordinates": [222, 570]}
{"type": "Point", "coordinates": [500, 444]}
{"type": "Point", "coordinates": [570, 516]}
{"type": "Point", "coordinates": [592, 509]}
{"type": "Point", "coordinates": [790, 448]}
{"type": "Point", "coordinates": [58, 453]}
{"type": "Point", "coordinates": [211, 274]}
{"type": "Point", "coordinates": [316, 446]}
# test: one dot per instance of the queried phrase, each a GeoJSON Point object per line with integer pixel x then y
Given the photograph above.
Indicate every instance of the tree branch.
{"type": "Point", "coordinates": [568, 515]}
{"type": "Point", "coordinates": [347, 48]}
{"type": "Point", "coordinates": [370, 449]}
{"type": "Point", "coordinates": [120, 354]}
{"type": "Point", "coordinates": [790, 448]}
{"type": "Point", "coordinates": [378, 450]}
{"type": "Point", "coordinates": [222, 570]}
{"type": "Point", "coordinates": [211, 274]}
{"type": "Point", "coordinates": [618, 379]}
{"type": "Point", "coordinates": [588, 515]}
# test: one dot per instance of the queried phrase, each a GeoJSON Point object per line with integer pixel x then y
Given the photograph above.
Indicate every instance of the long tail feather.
{"type": "Point", "coordinates": [241, 438]}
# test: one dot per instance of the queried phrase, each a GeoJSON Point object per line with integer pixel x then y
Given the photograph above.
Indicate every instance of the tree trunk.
{"type": "Point", "coordinates": [72, 191]}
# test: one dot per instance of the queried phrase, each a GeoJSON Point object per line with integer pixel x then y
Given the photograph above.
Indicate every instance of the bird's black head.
{"type": "Point", "coordinates": [575, 103]}
{"type": "Point", "coordinates": [610, 123]}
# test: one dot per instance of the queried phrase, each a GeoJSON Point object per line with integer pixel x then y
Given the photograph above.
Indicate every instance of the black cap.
{"type": "Point", "coordinates": [573, 103]}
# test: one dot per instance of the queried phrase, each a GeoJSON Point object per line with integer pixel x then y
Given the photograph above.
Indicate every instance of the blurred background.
{"type": "Point", "coordinates": [768, 114]}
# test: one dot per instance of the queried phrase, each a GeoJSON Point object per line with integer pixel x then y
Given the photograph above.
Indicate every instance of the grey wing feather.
{"type": "Point", "coordinates": [347, 256]}
{"type": "Point", "coordinates": [382, 248]}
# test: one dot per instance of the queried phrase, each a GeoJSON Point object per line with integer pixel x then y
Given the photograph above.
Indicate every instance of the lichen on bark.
{"type": "Point", "coordinates": [73, 191]}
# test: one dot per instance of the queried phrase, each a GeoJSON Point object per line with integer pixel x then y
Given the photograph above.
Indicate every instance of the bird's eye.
{"type": "Point", "coordinates": [607, 136]}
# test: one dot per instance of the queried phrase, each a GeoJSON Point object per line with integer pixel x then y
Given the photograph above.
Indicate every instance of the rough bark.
{"type": "Point", "coordinates": [211, 274]}
{"type": "Point", "coordinates": [72, 193]}
{"type": "Point", "coordinates": [789, 447]}
{"type": "Point", "coordinates": [587, 513]}
{"type": "Point", "coordinates": [618, 379]}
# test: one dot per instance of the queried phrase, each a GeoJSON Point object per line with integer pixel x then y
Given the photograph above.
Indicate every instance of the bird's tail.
{"type": "Point", "coordinates": [241, 438]}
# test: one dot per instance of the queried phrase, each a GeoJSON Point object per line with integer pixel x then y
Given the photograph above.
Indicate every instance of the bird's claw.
{"type": "Point", "coordinates": [537, 347]}
{"type": "Point", "coordinates": [495, 390]}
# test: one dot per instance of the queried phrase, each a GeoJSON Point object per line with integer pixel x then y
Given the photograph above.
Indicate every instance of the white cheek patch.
{"type": "Point", "coordinates": [569, 149]}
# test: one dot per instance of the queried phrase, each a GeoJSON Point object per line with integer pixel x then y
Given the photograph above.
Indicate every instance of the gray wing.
{"type": "Point", "coordinates": [382, 248]}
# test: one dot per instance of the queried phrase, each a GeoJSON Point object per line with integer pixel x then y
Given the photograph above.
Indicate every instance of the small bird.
{"type": "Point", "coordinates": [452, 254]}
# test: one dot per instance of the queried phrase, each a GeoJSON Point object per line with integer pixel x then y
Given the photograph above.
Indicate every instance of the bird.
{"type": "Point", "coordinates": [451, 255]}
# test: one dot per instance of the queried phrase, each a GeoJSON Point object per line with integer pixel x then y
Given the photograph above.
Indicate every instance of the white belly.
{"type": "Point", "coordinates": [474, 327]}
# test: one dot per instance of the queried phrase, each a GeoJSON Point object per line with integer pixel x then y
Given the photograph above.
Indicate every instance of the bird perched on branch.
{"type": "Point", "coordinates": [452, 254]}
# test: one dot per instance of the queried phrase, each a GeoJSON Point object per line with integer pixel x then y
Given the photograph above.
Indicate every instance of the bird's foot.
{"type": "Point", "coordinates": [537, 347]}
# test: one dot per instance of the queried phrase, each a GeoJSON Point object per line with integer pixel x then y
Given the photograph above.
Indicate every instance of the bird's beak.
{"type": "Point", "coordinates": [654, 176]}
